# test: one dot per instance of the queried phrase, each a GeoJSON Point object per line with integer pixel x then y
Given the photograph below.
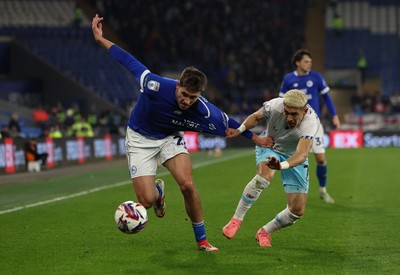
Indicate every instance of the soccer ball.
{"type": "Point", "coordinates": [131, 217]}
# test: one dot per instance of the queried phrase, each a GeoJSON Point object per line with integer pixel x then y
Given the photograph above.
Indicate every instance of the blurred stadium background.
{"type": "Point", "coordinates": [53, 75]}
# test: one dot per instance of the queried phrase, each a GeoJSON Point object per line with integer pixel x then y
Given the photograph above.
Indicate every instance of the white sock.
{"type": "Point", "coordinates": [283, 219]}
{"type": "Point", "coordinates": [250, 194]}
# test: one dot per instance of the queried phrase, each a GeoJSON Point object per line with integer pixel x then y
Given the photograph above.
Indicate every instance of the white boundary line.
{"type": "Point", "coordinates": [97, 189]}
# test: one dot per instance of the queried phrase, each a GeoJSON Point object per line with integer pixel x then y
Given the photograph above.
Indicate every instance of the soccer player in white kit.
{"type": "Point", "coordinates": [292, 123]}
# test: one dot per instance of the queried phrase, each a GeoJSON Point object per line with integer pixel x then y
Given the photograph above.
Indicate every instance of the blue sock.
{"type": "Point", "coordinates": [160, 192]}
{"type": "Point", "coordinates": [322, 171]}
{"type": "Point", "coordinates": [199, 231]}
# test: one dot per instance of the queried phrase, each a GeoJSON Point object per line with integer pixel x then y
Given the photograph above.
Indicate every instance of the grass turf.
{"type": "Point", "coordinates": [77, 234]}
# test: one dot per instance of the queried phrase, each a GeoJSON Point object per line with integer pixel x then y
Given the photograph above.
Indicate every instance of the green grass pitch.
{"type": "Point", "coordinates": [76, 233]}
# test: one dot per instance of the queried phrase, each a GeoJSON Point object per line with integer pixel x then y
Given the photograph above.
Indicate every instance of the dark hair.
{"type": "Point", "coordinates": [298, 55]}
{"type": "Point", "coordinates": [193, 79]}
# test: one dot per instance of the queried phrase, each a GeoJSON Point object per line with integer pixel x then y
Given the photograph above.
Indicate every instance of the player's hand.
{"type": "Point", "coordinates": [232, 133]}
{"type": "Point", "coordinates": [97, 27]}
{"type": "Point", "coordinates": [336, 121]}
{"type": "Point", "coordinates": [273, 163]}
{"type": "Point", "coordinates": [263, 141]}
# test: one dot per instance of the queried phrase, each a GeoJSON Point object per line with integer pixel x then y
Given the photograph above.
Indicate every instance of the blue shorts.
{"type": "Point", "coordinates": [294, 180]}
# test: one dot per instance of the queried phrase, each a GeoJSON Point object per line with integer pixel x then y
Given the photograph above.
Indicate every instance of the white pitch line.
{"type": "Point", "coordinates": [97, 189]}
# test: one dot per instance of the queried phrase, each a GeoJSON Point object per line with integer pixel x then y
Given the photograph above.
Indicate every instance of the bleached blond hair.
{"type": "Point", "coordinates": [295, 99]}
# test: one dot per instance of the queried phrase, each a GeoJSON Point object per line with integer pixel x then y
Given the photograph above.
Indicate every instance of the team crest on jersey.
{"type": "Point", "coordinates": [309, 83]}
{"type": "Point", "coordinates": [153, 85]}
{"type": "Point", "coordinates": [295, 85]}
{"type": "Point", "coordinates": [133, 170]}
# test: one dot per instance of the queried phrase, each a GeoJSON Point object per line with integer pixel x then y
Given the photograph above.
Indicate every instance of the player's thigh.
{"type": "Point", "coordinates": [296, 179]}
{"type": "Point", "coordinates": [141, 153]}
{"type": "Point", "coordinates": [180, 167]}
{"type": "Point", "coordinates": [262, 155]}
{"type": "Point", "coordinates": [175, 157]}
{"type": "Point", "coordinates": [173, 146]}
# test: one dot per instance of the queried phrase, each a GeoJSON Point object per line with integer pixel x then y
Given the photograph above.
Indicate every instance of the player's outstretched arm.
{"type": "Point", "coordinates": [301, 154]}
{"type": "Point", "coordinates": [97, 29]}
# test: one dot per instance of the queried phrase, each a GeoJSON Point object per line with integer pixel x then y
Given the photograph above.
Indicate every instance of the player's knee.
{"type": "Point", "coordinates": [298, 211]}
{"type": "Point", "coordinates": [187, 187]}
{"type": "Point", "coordinates": [321, 161]}
{"type": "Point", "coordinates": [146, 201]}
{"type": "Point", "coordinates": [260, 182]}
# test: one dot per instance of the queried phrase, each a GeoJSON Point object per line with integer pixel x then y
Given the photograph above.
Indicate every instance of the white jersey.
{"type": "Point", "coordinates": [286, 139]}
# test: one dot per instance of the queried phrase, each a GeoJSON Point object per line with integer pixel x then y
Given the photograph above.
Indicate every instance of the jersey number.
{"type": "Point", "coordinates": [180, 141]}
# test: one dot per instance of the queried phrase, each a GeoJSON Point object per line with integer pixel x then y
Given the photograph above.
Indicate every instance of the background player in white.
{"type": "Point", "coordinates": [314, 86]}
{"type": "Point", "coordinates": [165, 108]}
{"type": "Point", "coordinates": [292, 123]}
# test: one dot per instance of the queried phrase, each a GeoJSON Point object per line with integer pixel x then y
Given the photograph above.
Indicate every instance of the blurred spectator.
{"type": "Point", "coordinates": [61, 115]}
{"type": "Point", "coordinates": [362, 65]}
{"type": "Point", "coordinates": [4, 133]}
{"type": "Point", "coordinates": [32, 156]}
{"type": "Point", "coordinates": [40, 116]}
{"type": "Point", "coordinates": [395, 102]}
{"type": "Point", "coordinates": [379, 106]}
{"type": "Point", "coordinates": [78, 16]}
{"type": "Point", "coordinates": [82, 128]}
{"type": "Point", "coordinates": [14, 127]}
{"type": "Point", "coordinates": [55, 132]}
{"type": "Point", "coordinates": [337, 24]}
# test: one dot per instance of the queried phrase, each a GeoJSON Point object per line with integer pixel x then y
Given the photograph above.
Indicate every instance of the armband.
{"type": "Point", "coordinates": [284, 165]}
{"type": "Point", "coordinates": [242, 128]}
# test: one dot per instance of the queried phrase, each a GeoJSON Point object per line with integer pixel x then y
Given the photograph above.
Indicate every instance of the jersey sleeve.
{"type": "Point", "coordinates": [138, 70]}
{"type": "Point", "coordinates": [267, 110]}
{"type": "Point", "coordinates": [309, 125]}
{"type": "Point", "coordinates": [215, 121]}
{"type": "Point", "coordinates": [323, 88]}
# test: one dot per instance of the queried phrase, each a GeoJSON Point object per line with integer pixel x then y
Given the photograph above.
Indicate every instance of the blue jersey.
{"type": "Point", "coordinates": [157, 113]}
{"type": "Point", "coordinates": [313, 85]}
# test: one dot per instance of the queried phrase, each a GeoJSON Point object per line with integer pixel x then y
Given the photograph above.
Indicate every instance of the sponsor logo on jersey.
{"type": "Point", "coordinates": [153, 85]}
{"type": "Point", "coordinates": [211, 127]}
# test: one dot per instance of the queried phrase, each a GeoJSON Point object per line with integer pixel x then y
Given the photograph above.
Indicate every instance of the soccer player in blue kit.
{"type": "Point", "coordinates": [313, 85]}
{"type": "Point", "coordinates": [164, 109]}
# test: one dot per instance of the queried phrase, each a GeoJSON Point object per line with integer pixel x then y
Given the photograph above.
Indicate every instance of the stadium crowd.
{"type": "Point", "coordinates": [58, 121]}
{"type": "Point", "coordinates": [243, 48]}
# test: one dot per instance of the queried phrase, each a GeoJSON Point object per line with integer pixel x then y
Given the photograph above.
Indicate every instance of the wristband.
{"type": "Point", "coordinates": [242, 128]}
{"type": "Point", "coordinates": [284, 165]}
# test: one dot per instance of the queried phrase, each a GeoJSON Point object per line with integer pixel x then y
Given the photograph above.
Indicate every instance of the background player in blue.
{"type": "Point", "coordinates": [313, 85]}
{"type": "Point", "coordinates": [165, 108]}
